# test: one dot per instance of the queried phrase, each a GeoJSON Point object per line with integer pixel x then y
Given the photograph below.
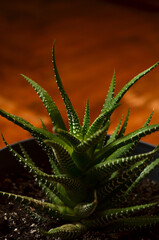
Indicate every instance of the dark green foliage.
{"type": "Point", "coordinates": [91, 176]}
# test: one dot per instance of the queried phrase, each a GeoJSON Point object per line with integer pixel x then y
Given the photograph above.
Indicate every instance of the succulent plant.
{"type": "Point", "coordinates": [92, 174]}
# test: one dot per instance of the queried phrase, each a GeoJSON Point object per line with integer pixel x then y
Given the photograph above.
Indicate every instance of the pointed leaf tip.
{"type": "Point", "coordinates": [127, 86]}
{"type": "Point", "coordinates": [49, 104]}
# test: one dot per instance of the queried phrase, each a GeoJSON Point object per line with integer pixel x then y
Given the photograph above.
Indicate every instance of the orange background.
{"type": "Point", "coordinates": [92, 38]}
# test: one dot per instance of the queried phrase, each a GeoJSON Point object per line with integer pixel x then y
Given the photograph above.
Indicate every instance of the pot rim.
{"type": "Point", "coordinates": [10, 164]}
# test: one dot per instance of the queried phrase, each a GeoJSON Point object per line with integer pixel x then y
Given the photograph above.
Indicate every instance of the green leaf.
{"type": "Point", "coordinates": [129, 138]}
{"type": "Point", "coordinates": [43, 179]}
{"type": "Point", "coordinates": [65, 162]}
{"type": "Point", "coordinates": [103, 218]}
{"type": "Point", "coordinates": [56, 210]}
{"type": "Point", "coordinates": [84, 210]}
{"type": "Point", "coordinates": [115, 133]}
{"type": "Point", "coordinates": [68, 137]}
{"type": "Point", "coordinates": [47, 150]}
{"type": "Point", "coordinates": [133, 223]}
{"type": "Point", "coordinates": [126, 149]}
{"type": "Point", "coordinates": [74, 123]}
{"type": "Point", "coordinates": [123, 128]}
{"type": "Point", "coordinates": [121, 151]}
{"type": "Point", "coordinates": [37, 132]}
{"type": "Point", "coordinates": [91, 141]}
{"type": "Point", "coordinates": [142, 175]}
{"type": "Point", "coordinates": [50, 193]}
{"type": "Point", "coordinates": [99, 121]}
{"type": "Point", "coordinates": [67, 182]}
{"type": "Point", "coordinates": [112, 189]}
{"type": "Point", "coordinates": [26, 160]}
{"type": "Point", "coordinates": [86, 121]}
{"type": "Point", "coordinates": [26, 125]}
{"type": "Point", "coordinates": [48, 103]}
{"type": "Point", "coordinates": [149, 119]}
{"type": "Point", "coordinates": [131, 83]}
{"type": "Point", "coordinates": [106, 168]}
{"type": "Point", "coordinates": [67, 231]}
{"type": "Point", "coordinates": [110, 94]}
{"type": "Point", "coordinates": [43, 124]}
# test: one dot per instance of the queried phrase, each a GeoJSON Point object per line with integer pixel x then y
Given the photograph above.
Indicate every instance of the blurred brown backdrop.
{"type": "Point", "coordinates": [92, 38]}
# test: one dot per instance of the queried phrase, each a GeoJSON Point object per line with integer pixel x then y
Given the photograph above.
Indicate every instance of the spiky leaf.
{"type": "Point", "coordinates": [92, 175]}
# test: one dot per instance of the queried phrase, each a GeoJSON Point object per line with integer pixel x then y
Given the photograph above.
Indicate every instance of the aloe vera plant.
{"type": "Point", "coordinates": [92, 175]}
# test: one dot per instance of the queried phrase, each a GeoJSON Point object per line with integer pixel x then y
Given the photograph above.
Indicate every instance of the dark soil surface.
{"type": "Point", "coordinates": [16, 224]}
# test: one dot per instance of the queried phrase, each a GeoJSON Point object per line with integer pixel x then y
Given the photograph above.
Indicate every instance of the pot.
{"type": "Point", "coordinates": [12, 214]}
{"type": "Point", "coordinates": [10, 164]}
